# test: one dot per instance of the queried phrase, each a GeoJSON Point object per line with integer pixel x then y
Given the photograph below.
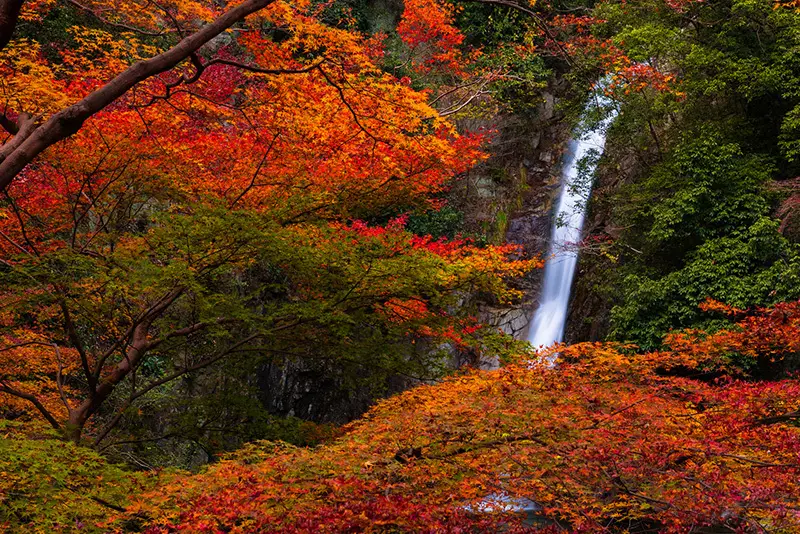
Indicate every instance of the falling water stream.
{"type": "Point", "coordinates": [580, 161]}
{"type": "Point", "coordinates": [547, 326]}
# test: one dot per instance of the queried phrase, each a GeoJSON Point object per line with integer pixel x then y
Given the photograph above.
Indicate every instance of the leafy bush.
{"type": "Point", "coordinates": [48, 486]}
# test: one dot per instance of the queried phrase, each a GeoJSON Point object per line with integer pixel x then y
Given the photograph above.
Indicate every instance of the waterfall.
{"type": "Point", "coordinates": [547, 327]}
{"type": "Point", "coordinates": [579, 164]}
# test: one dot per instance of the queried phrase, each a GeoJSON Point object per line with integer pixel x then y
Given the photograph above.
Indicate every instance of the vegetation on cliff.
{"type": "Point", "coordinates": [698, 195]}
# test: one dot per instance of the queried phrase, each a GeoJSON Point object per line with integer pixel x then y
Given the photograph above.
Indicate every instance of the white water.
{"type": "Point", "coordinates": [548, 323]}
{"type": "Point", "coordinates": [547, 326]}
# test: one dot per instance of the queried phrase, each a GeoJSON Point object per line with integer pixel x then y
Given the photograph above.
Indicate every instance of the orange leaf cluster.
{"type": "Point", "coordinates": [606, 441]}
{"type": "Point", "coordinates": [427, 27]}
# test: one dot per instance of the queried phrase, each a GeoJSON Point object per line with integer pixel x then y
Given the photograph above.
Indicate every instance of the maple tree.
{"type": "Point", "coordinates": [29, 139]}
{"type": "Point", "coordinates": [606, 441]}
{"type": "Point", "coordinates": [680, 440]}
{"type": "Point", "coordinates": [215, 210]}
{"type": "Point", "coordinates": [189, 189]}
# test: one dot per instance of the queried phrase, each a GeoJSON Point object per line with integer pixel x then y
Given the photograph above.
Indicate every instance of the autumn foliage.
{"type": "Point", "coordinates": [247, 201]}
{"type": "Point", "coordinates": [607, 440]}
{"type": "Point", "coordinates": [239, 198]}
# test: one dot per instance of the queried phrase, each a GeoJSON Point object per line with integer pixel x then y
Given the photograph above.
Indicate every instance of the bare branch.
{"type": "Point", "coordinates": [72, 333]}
{"type": "Point", "coordinates": [257, 171]}
{"type": "Point", "coordinates": [345, 102]}
{"type": "Point", "coordinates": [14, 243]}
{"type": "Point", "coordinates": [200, 67]}
{"type": "Point", "coordinates": [60, 379]}
{"type": "Point", "coordinates": [107, 504]}
{"type": "Point", "coordinates": [259, 70]}
{"type": "Point", "coordinates": [5, 388]}
{"type": "Point", "coordinates": [455, 108]}
{"type": "Point", "coordinates": [25, 344]}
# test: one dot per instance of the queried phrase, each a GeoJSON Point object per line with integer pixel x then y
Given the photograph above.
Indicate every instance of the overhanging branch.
{"type": "Point", "coordinates": [9, 13]}
{"type": "Point", "coordinates": [5, 388]}
{"type": "Point", "coordinates": [70, 119]}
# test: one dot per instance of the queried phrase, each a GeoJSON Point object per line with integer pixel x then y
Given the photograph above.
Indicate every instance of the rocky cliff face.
{"type": "Point", "coordinates": [317, 392]}
{"type": "Point", "coordinates": [527, 154]}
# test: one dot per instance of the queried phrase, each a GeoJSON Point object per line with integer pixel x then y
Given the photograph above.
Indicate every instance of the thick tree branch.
{"type": "Point", "coordinates": [69, 120]}
{"type": "Point", "coordinates": [136, 342]}
{"type": "Point", "coordinates": [5, 388]}
{"type": "Point", "coordinates": [188, 330]}
{"type": "Point", "coordinates": [22, 130]}
{"type": "Point", "coordinates": [145, 318]}
{"type": "Point", "coordinates": [9, 13]}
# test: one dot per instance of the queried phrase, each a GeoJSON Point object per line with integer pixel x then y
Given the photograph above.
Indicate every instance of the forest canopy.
{"type": "Point", "coordinates": [255, 259]}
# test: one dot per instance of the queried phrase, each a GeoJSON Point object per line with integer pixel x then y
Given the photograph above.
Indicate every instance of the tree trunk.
{"type": "Point", "coordinates": [133, 356]}
{"type": "Point", "coordinates": [9, 13]}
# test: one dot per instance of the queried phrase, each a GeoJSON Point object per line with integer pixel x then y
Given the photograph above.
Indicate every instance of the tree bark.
{"type": "Point", "coordinates": [9, 13]}
{"type": "Point", "coordinates": [69, 120]}
{"type": "Point", "coordinates": [22, 129]}
{"type": "Point", "coordinates": [133, 356]}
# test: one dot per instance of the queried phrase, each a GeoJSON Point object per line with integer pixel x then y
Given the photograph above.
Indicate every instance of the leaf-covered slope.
{"type": "Point", "coordinates": [606, 441]}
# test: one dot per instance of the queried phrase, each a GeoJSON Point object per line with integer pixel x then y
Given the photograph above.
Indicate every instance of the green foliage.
{"type": "Point", "coordinates": [691, 208]}
{"type": "Point", "coordinates": [486, 25]}
{"type": "Point", "coordinates": [506, 37]}
{"type": "Point", "coordinates": [49, 486]}
{"type": "Point", "coordinates": [706, 189]}
{"type": "Point", "coordinates": [317, 299]}
{"type": "Point", "coordinates": [519, 92]}
{"type": "Point", "coordinates": [700, 222]}
{"type": "Point", "coordinates": [790, 135]}
{"type": "Point", "coordinates": [757, 267]}
{"type": "Point", "coordinates": [445, 222]}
